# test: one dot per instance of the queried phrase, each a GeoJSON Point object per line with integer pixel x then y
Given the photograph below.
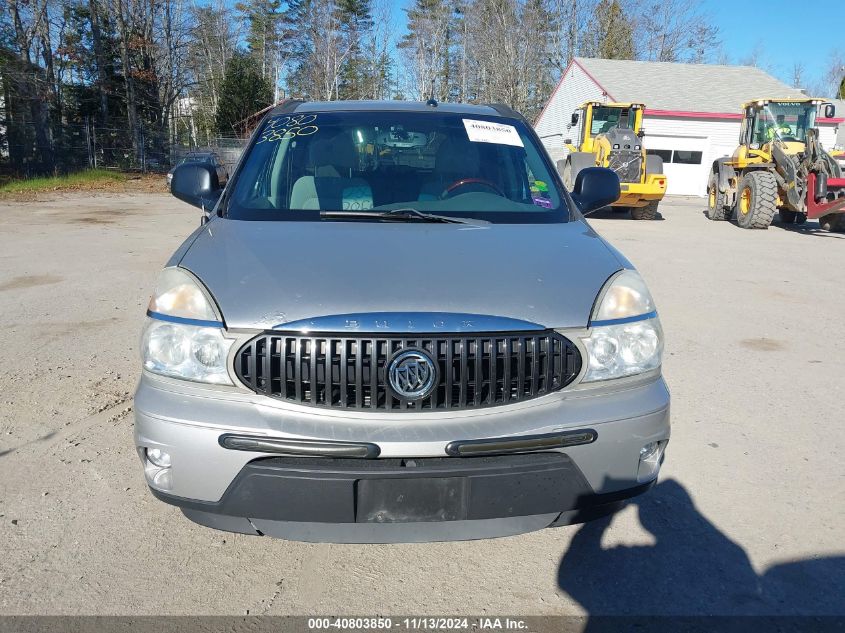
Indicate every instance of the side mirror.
{"type": "Point", "coordinates": [568, 141]}
{"type": "Point", "coordinates": [829, 110]}
{"type": "Point", "coordinates": [574, 118]}
{"type": "Point", "coordinates": [749, 112]}
{"type": "Point", "coordinates": [196, 184]}
{"type": "Point", "coordinates": [595, 187]}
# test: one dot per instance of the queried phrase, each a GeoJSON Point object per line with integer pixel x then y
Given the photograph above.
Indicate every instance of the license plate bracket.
{"type": "Point", "coordinates": [413, 499]}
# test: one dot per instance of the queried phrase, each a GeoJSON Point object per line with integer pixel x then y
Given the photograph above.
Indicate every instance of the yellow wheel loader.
{"type": "Point", "coordinates": [611, 135]}
{"type": "Point", "coordinates": [778, 167]}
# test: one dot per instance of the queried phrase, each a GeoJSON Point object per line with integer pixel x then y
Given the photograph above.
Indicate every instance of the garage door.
{"type": "Point", "coordinates": [683, 162]}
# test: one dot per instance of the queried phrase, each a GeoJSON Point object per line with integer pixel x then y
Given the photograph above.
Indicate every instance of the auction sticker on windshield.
{"type": "Point", "coordinates": [488, 132]}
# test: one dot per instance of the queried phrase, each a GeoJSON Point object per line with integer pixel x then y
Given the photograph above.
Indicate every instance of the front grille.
{"type": "Point", "coordinates": [343, 372]}
{"type": "Point", "coordinates": [626, 164]}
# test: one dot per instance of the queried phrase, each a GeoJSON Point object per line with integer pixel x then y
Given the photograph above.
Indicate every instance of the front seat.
{"type": "Point", "coordinates": [332, 187]}
{"type": "Point", "coordinates": [454, 160]}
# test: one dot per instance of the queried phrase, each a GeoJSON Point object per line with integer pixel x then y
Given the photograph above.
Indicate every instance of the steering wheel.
{"type": "Point", "coordinates": [789, 139]}
{"type": "Point", "coordinates": [472, 181]}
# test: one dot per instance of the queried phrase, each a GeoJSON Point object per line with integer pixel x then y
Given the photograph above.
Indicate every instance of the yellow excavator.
{"type": "Point", "coordinates": [779, 167]}
{"type": "Point", "coordinates": [611, 135]}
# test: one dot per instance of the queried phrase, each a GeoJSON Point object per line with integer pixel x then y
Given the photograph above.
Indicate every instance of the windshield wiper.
{"type": "Point", "coordinates": [393, 215]}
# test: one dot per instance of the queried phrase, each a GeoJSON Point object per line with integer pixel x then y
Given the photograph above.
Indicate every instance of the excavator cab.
{"type": "Point", "coordinates": [601, 118]}
{"type": "Point", "coordinates": [785, 121]}
{"type": "Point", "coordinates": [610, 135]}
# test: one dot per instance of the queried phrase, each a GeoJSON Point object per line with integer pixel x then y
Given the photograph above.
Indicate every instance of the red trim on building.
{"type": "Point", "coordinates": [682, 114]}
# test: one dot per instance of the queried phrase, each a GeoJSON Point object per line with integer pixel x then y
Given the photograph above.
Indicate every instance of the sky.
{"type": "Point", "coordinates": [780, 32]}
{"type": "Point", "coordinates": [783, 32]}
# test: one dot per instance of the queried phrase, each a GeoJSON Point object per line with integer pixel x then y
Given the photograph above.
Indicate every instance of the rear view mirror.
{"type": "Point", "coordinates": [595, 187]}
{"type": "Point", "coordinates": [829, 110]}
{"type": "Point", "coordinates": [574, 118]}
{"type": "Point", "coordinates": [196, 184]}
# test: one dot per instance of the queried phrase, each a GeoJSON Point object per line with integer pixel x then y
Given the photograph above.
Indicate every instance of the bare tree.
{"type": "Point", "coordinates": [834, 77]}
{"type": "Point", "coordinates": [798, 75]}
{"type": "Point", "coordinates": [426, 48]}
{"type": "Point", "coordinates": [754, 56]}
{"type": "Point", "coordinates": [673, 31]}
{"type": "Point", "coordinates": [508, 47]}
{"type": "Point", "coordinates": [320, 49]}
{"type": "Point", "coordinates": [378, 43]}
{"type": "Point", "coordinates": [572, 21]}
{"type": "Point", "coordinates": [32, 85]}
{"type": "Point", "coordinates": [214, 40]}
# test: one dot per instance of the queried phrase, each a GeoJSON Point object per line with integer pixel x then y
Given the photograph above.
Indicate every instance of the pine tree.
{"type": "Point", "coordinates": [612, 35]}
{"type": "Point", "coordinates": [355, 22]}
{"type": "Point", "coordinates": [244, 92]}
{"type": "Point", "coordinates": [264, 19]}
{"type": "Point", "coordinates": [428, 47]}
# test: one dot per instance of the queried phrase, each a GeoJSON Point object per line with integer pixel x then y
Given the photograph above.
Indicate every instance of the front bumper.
{"type": "Point", "coordinates": [413, 491]}
{"type": "Point", "coordinates": [637, 194]}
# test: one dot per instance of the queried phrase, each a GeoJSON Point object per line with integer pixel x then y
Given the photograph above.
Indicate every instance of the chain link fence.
{"type": "Point", "coordinates": [228, 149]}
{"type": "Point", "coordinates": [75, 146]}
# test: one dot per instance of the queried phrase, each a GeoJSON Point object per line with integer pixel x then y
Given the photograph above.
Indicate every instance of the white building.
{"type": "Point", "coordinates": [692, 111]}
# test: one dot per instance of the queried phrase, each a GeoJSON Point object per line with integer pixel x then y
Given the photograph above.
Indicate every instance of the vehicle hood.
{"type": "Point", "coordinates": [266, 274]}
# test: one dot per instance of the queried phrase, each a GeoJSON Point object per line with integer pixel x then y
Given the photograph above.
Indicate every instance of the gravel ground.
{"type": "Point", "coordinates": [748, 517]}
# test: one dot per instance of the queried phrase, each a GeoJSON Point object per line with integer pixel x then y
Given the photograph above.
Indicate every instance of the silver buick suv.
{"type": "Point", "coordinates": [393, 325]}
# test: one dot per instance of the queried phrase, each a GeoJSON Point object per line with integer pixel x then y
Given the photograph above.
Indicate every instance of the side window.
{"type": "Point", "coordinates": [684, 157]}
{"type": "Point", "coordinates": [665, 154]}
{"type": "Point", "coordinates": [759, 130]}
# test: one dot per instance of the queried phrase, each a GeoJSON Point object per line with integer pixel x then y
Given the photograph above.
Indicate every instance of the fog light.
{"type": "Point", "coordinates": [651, 456]}
{"type": "Point", "coordinates": [163, 479]}
{"type": "Point", "coordinates": [648, 450]}
{"type": "Point", "coordinates": [159, 458]}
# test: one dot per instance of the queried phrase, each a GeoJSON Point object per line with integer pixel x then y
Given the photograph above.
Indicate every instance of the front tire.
{"type": "Point", "coordinates": [833, 222]}
{"type": "Point", "coordinates": [717, 205]}
{"type": "Point", "coordinates": [568, 180]}
{"type": "Point", "coordinates": [648, 212]}
{"type": "Point", "coordinates": [756, 201]}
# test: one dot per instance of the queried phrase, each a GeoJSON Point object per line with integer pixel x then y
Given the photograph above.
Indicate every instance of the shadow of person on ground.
{"type": "Point", "coordinates": [43, 438]}
{"type": "Point", "coordinates": [692, 569]}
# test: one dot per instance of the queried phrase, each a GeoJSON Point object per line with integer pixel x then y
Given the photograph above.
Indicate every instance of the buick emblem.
{"type": "Point", "coordinates": [412, 374]}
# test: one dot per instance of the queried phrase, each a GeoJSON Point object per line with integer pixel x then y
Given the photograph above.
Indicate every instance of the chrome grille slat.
{"type": "Point", "coordinates": [349, 372]}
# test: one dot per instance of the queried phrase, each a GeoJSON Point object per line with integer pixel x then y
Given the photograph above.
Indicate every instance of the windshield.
{"type": "Point", "coordinates": [786, 121]}
{"type": "Point", "coordinates": [605, 119]}
{"type": "Point", "coordinates": [467, 166]}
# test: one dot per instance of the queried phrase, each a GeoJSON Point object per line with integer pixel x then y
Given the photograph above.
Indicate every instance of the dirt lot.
{"type": "Point", "coordinates": [748, 517]}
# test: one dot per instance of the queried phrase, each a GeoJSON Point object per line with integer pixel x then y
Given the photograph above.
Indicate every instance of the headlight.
{"type": "Point", "coordinates": [186, 351]}
{"type": "Point", "coordinates": [183, 337]}
{"type": "Point", "coordinates": [625, 334]}
{"type": "Point", "coordinates": [179, 294]}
